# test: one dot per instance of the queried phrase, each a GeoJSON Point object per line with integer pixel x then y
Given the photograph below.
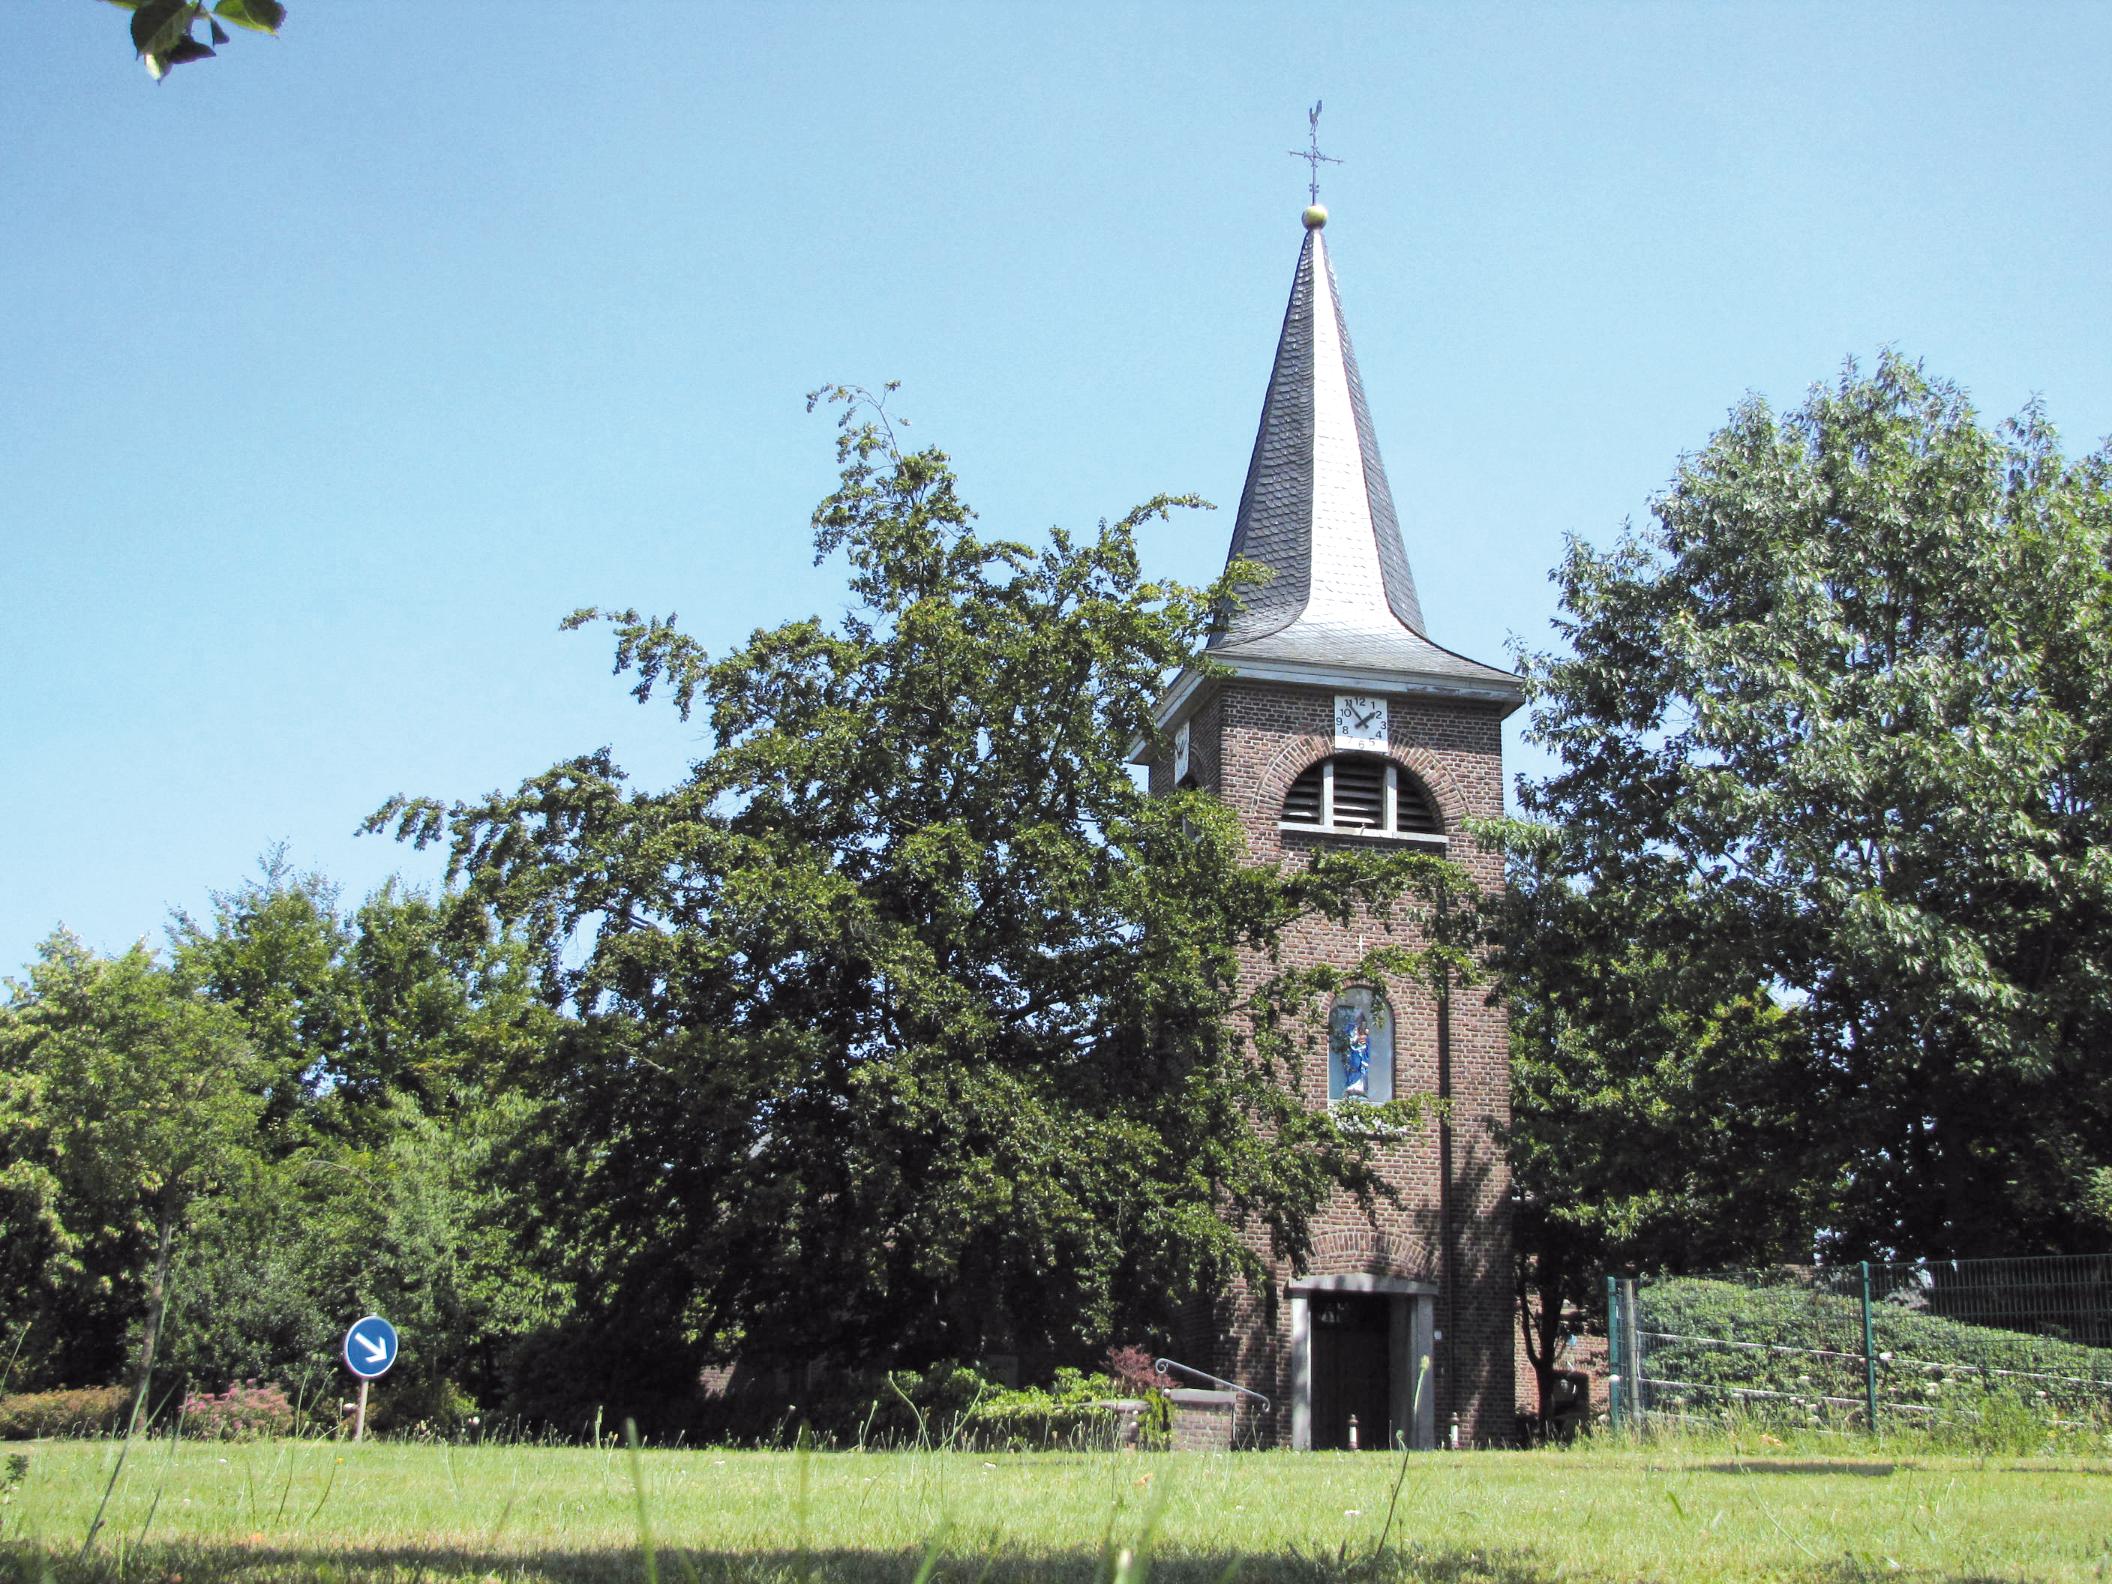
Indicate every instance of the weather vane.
{"type": "Point", "coordinates": [1313, 158]}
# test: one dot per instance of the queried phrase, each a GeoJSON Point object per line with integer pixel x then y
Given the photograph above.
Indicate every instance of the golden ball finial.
{"type": "Point", "coordinates": [1316, 217]}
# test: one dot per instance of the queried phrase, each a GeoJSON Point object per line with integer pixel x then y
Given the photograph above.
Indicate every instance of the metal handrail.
{"type": "Point", "coordinates": [1165, 1365]}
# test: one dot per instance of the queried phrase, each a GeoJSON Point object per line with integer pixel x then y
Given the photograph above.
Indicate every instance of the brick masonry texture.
{"type": "Point", "coordinates": [1248, 741]}
{"type": "Point", "coordinates": [1204, 1421]}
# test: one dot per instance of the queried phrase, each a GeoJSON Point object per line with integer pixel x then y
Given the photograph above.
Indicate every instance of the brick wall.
{"type": "Point", "coordinates": [1247, 743]}
{"type": "Point", "coordinates": [1204, 1421]}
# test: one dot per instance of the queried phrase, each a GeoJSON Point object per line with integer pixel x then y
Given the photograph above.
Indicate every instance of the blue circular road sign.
{"type": "Point", "coordinates": [370, 1347]}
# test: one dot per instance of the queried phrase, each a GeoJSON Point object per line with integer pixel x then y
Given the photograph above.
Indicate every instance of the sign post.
{"type": "Point", "coordinates": [370, 1348]}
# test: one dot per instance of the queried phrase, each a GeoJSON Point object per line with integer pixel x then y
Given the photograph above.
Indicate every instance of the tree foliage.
{"type": "Point", "coordinates": [165, 32]}
{"type": "Point", "coordinates": [1835, 724]}
{"type": "Point", "coordinates": [909, 1027]}
{"type": "Point", "coordinates": [390, 1039]}
{"type": "Point", "coordinates": [124, 1104]}
{"type": "Point", "coordinates": [306, 1113]}
{"type": "Point", "coordinates": [1653, 1127]}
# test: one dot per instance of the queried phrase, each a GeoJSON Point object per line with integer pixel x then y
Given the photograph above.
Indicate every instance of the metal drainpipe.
{"type": "Point", "coordinates": [1447, 1228]}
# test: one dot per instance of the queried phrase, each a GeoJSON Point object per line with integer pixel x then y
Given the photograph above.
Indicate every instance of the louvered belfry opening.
{"type": "Point", "coordinates": [1361, 792]}
{"type": "Point", "coordinates": [1303, 803]}
{"type": "Point", "coordinates": [1414, 814]}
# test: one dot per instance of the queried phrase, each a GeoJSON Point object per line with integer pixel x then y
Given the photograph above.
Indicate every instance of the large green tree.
{"type": "Point", "coordinates": [909, 1025]}
{"type": "Point", "coordinates": [1835, 722]}
{"type": "Point", "coordinates": [392, 1044]}
{"type": "Point", "coordinates": [305, 1113]}
{"type": "Point", "coordinates": [126, 1104]}
{"type": "Point", "coordinates": [1654, 1123]}
{"type": "Point", "coordinates": [353, 1011]}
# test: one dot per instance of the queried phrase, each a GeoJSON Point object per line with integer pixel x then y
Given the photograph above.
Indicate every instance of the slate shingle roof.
{"type": "Point", "coordinates": [1317, 512]}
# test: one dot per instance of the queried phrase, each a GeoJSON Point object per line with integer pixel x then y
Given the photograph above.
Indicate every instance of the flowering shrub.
{"type": "Point", "coordinates": [244, 1410]}
{"type": "Point", "coordinates": [1133, 1372]}
{"type": "Point", "coordinates": [87, 1411]}
{"type": "Point", "coordinates": [1132, 1367]}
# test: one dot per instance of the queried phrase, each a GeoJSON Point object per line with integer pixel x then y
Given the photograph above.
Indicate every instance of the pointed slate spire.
{"type": "Point", "coordinates": [1317, 511]}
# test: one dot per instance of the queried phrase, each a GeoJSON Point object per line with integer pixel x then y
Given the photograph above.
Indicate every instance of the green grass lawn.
{"type": "Point", "coordinates": [204, 1513]}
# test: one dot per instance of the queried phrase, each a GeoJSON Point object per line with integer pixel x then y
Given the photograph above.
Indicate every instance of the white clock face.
{"type": "Point", "coordinates": [1360, 720]}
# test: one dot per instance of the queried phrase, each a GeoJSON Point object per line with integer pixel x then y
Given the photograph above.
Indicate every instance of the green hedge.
{"type": "Point", "coordinates": [1791, 1351]}
{"type": "Point", "coordinates": [946, 1405]}
{"type": "Point", "coordinates": [84, 1411]}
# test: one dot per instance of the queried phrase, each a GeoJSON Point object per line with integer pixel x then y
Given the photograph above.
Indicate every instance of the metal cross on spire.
{"type": "Point", "coordinates": [1313, 158]}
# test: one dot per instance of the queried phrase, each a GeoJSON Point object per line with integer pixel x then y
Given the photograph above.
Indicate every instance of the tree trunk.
{"type": "Point", "coordinates": [1541, 1329]}
{"type": "Point", "coordinates": [157, 1304]}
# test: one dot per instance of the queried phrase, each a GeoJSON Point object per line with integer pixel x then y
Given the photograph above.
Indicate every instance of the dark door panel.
{"type": "Point", "coordinates": [1351, 1373]}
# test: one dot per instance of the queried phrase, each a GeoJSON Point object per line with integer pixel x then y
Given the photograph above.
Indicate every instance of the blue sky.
{"type": "Point", "coordinates": [334, 371]}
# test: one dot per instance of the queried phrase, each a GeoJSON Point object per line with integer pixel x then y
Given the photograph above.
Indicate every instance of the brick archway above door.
{"type": "Point", "coordinates": [1370, 1252]}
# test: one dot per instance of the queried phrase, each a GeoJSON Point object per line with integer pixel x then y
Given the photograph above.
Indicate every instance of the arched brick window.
{"type": "Point", "coordinates": [1361, 793]}
{"type": "Point", "coordinates": [1360, 1047]}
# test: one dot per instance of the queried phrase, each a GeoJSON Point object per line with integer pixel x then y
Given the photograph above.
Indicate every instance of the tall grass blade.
{"type": "Point", "coordinates": [1393, 1502]}
{"type": "Point", "coordinates": [961, 1424]}
{"type": "Point", "coordinates": [932, 1552]}
{"type": "Point", "coordinates": [803, 1462]}
{"type": "Point", "coordinates": [329, 1485]}
{"type": "Point", "coordinates": [1133, 1562]}
{"type": "Point", "coordinates": [14, 1353]}
{"type": "Point", "coordinates": [923, 1431]}
{"type": "Point", "coordinates": [167, 1464]}
{"type": "Point", "coordinates": [124, 1450]}
{"type": "Point", "coordinates": [491, 1540]}
{"type": "Point", "coordinates": [645, 1523]}
{"type": "Point", "coordinates": [286, 1493]}
{"type": "Point", "coordinates": [95, 1524]}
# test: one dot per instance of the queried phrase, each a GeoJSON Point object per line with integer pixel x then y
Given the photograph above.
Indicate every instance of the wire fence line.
{"type": "Point", "coordinates": [1912, 1343]}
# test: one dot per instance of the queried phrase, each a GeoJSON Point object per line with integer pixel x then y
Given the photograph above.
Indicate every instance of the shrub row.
{"type": "Point", "coordinates": [946, 1405]}
{"type": "Point", "coordinates": [85, 1411]}
{"type": "Point", "coordinates": [1797, 1352]}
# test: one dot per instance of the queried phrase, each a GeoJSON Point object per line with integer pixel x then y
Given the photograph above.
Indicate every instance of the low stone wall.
{"type": "Point", "coordinates": [1204, 1421]}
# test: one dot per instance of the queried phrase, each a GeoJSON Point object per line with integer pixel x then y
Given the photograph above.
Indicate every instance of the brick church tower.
{"type": "Point", "coordinates": [1336, 719]}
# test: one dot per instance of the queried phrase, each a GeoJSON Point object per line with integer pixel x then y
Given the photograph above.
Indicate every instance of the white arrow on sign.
{"type": "Point", "coordinates": [376, 1351]}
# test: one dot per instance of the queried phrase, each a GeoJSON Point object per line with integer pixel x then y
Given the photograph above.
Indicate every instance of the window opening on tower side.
{"type": "Point", "coordinates": [1360, 1047]}
{"type": "Point", "coordinates": [1188, 783]}
{"type": "Point", "coordinates": [1361, 794]}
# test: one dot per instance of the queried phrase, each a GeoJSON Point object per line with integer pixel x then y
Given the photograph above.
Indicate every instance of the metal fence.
{"type": "Point", "coordinates": [1920, 1343]}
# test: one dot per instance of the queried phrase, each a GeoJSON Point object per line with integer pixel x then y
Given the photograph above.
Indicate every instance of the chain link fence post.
{"type": "Point", "coordinates": [1869, 1359]}
{"type": "Point", "coordinates": [1613, 1354]}
{"type": "Point", "coordinates": [1632, 1356]}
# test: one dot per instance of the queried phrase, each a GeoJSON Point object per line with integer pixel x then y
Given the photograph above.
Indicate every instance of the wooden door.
{"type": "Point", "coordinates": [1351, 1370]}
